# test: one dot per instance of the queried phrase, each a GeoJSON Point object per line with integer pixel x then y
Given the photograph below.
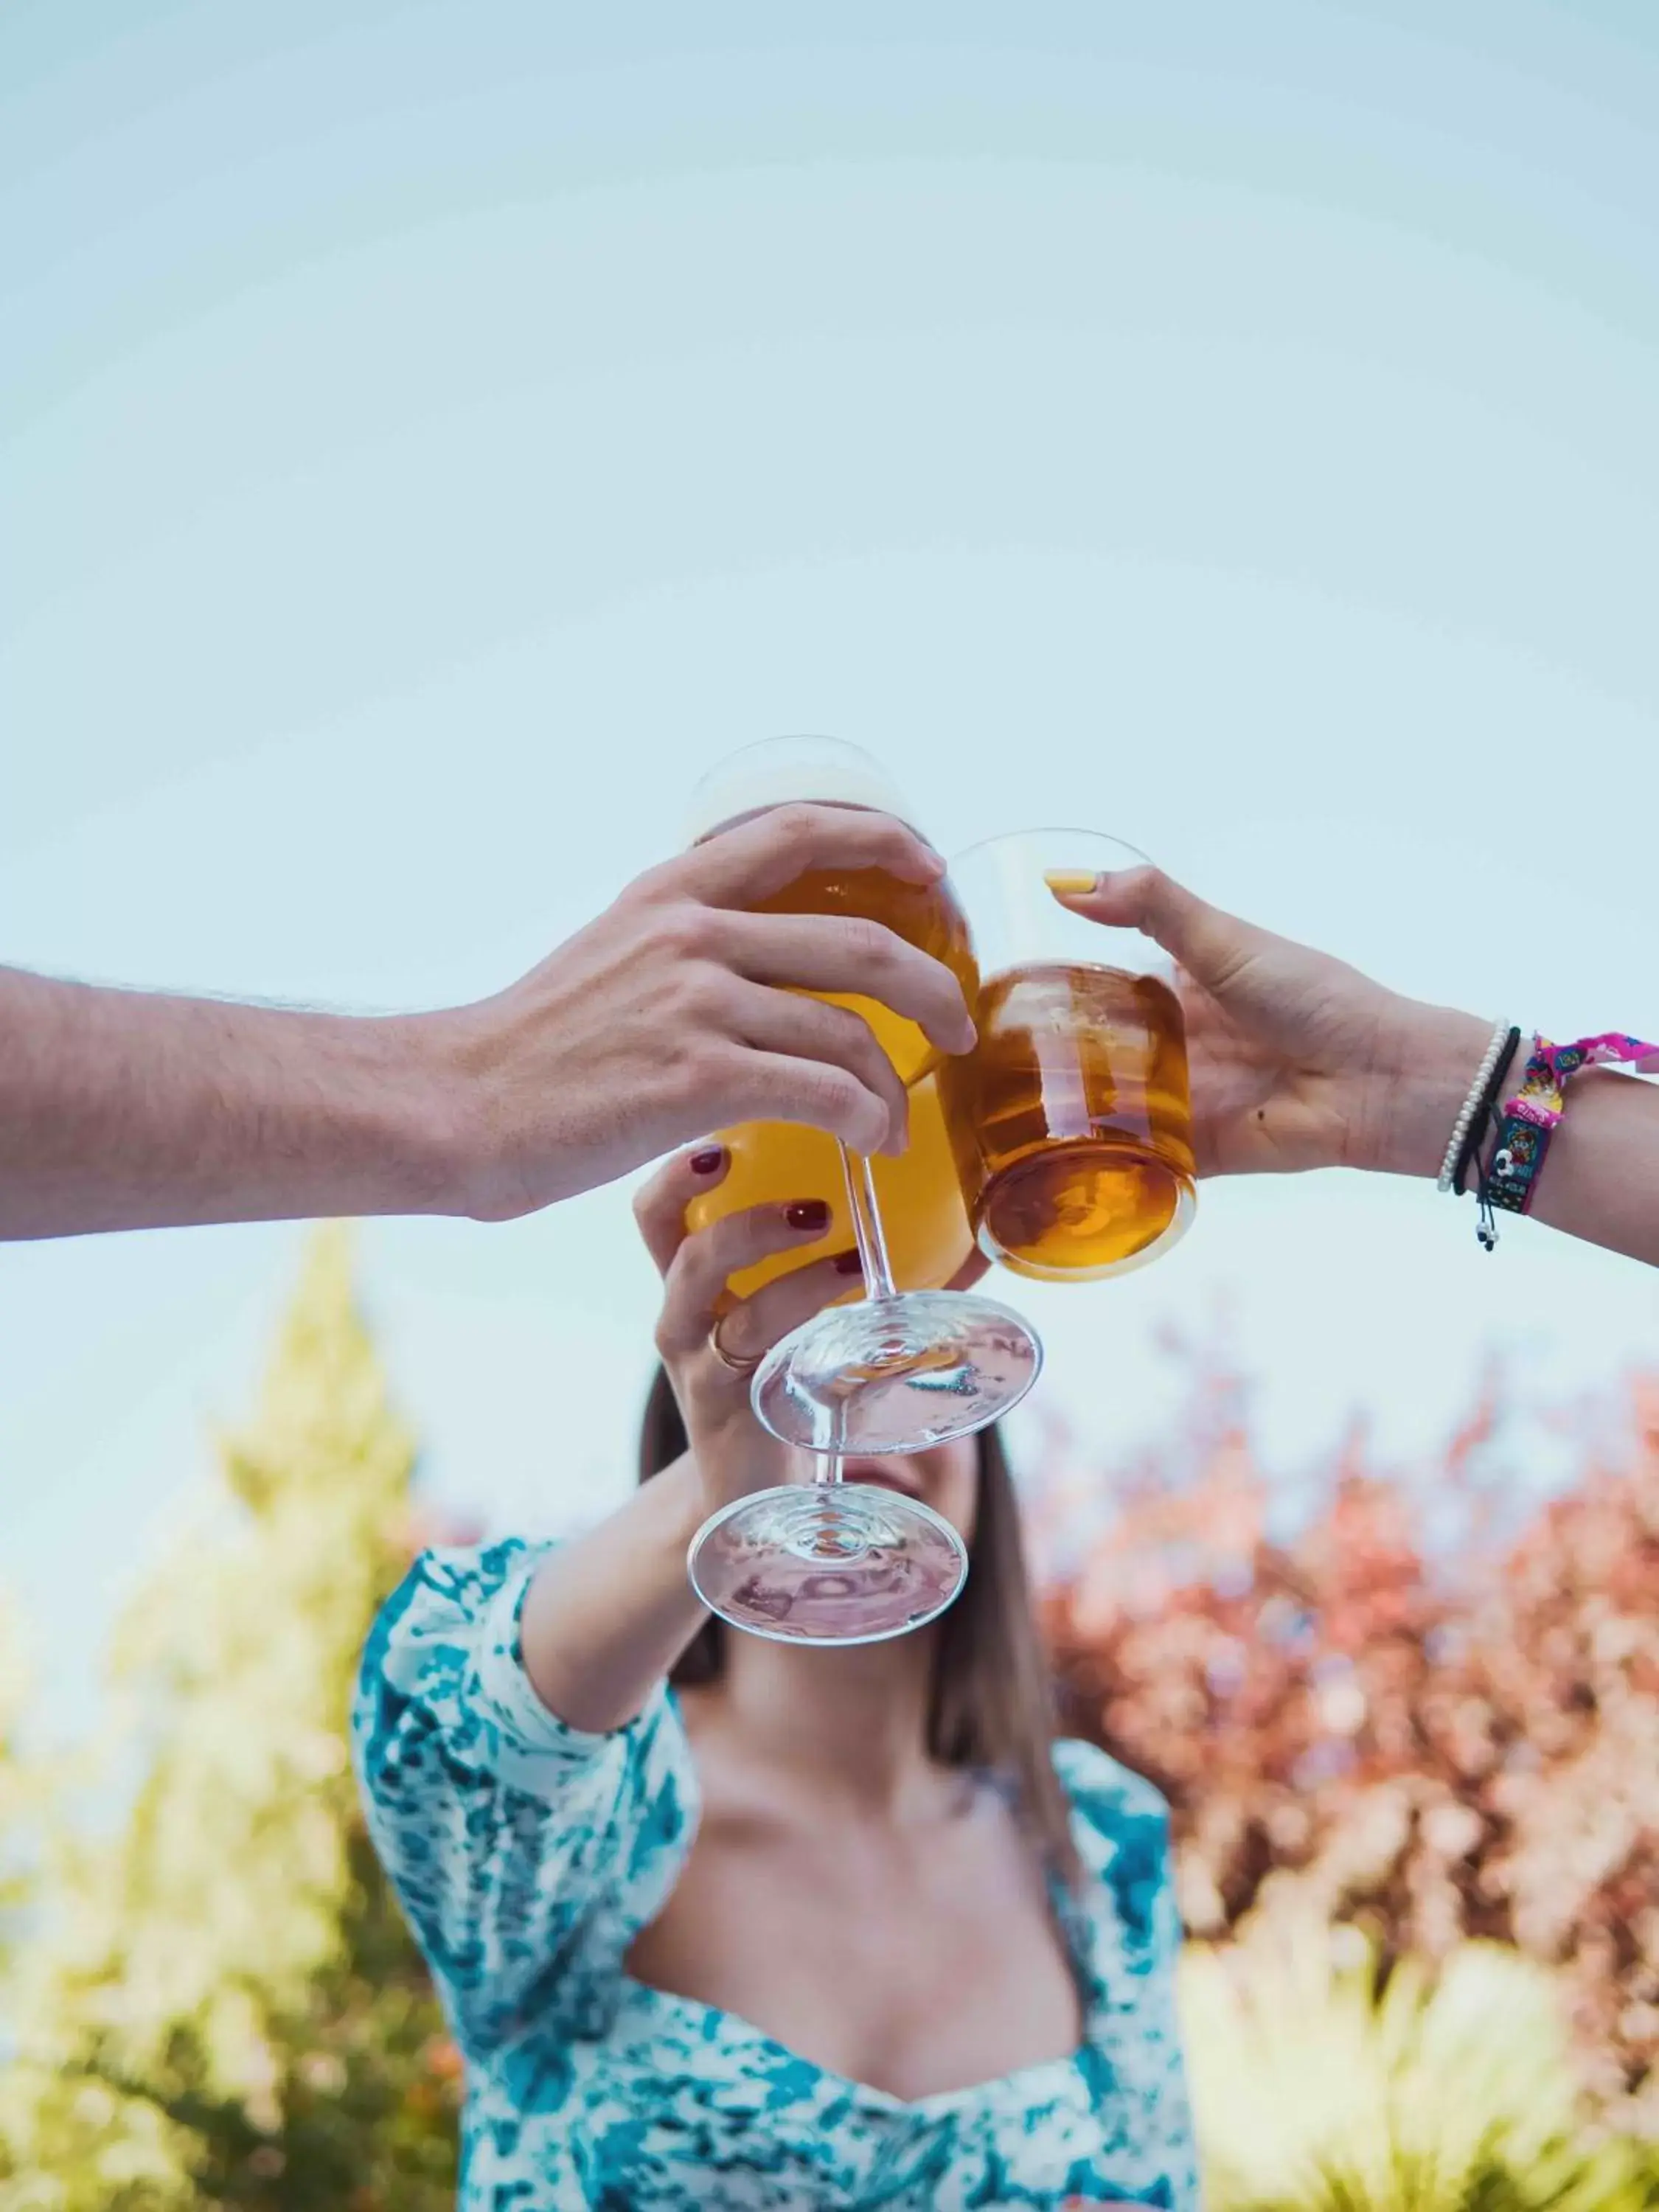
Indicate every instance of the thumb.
{"type": "Point", "coordinates": [1208, 944]}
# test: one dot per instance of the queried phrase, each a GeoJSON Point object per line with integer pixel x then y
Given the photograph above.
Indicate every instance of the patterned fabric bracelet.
{"type": "Point", "coordinates": [1510, 1177]}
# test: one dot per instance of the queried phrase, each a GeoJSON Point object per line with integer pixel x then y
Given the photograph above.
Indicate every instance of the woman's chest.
{"type": "Point", "coordinates": [678, 2110]}
{"type": "Point", "coordinates": [916, 1972]}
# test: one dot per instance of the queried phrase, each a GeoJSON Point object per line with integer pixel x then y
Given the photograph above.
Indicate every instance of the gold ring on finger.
{"type": "Point", "coordinates": [734, 1363]}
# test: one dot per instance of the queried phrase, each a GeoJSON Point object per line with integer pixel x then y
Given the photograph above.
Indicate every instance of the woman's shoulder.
{"type": "Point", "coordinates": [1121, 1823]}
{"type": "Point", "coordinates": [1104, 1791]}
{"type": "Point", "coordinates": [447, 1591]}
{"type": "Point", "coordinates": [461, 1579]}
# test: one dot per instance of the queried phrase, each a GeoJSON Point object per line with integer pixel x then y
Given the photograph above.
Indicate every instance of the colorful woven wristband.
{"type": "Point", "coordinates": [1531, 1116]}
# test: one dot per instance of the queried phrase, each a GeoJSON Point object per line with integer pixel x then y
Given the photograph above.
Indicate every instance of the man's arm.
{"type": "Point", "coordinates": [122, 1110]}
{"type": "Point", "coordinates": [678, 1010]}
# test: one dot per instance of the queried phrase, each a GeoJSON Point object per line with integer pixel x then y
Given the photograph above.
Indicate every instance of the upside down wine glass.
{"type": "Point", "coordinates": [827, 1561]}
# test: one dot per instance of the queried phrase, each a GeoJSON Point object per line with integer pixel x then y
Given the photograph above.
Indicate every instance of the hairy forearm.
{"type": "Point", "coordinates": [123, 1110]}
{"type": "Point", "coordinates": [607, 1615]}
{"type": "Point", "coordinates": [1601, 1179]}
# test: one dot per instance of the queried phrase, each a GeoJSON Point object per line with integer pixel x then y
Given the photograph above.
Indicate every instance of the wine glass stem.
{"type": "Point", "coordinates": [879, 1284]}
{"type": "Point", "coordinates": [826, 1464]}
{"type": "Point", "coordinates": [866, 1227]}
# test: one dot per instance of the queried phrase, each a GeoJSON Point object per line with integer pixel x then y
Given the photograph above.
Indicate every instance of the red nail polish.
{"type": "Point", "coordinates": [706, 1163]}
{"type": "Point", "coordinates": [848, 1263]}
{"type": "Point", "coordinates": [808, 1214]}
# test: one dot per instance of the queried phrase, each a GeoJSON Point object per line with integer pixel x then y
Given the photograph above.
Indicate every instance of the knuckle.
{"type": "Point", "coordinates": [795, 827]}
{"type": "Point", "coordinates": [651, 887]}
{"type": "Point", "coordinates": [680, 930]}
{"type": "Point", "coordinates": [693, 1032]}
{"type": "Point", "coordinates": [1151, 889]}
{"type": "Point", "coordinates": [827, 1090]}
{"type": "Point", "coordinates": [702, 1068]}
{"type": "Point", "coordinates": [702, 994]}
{"type": "Point", "coordinates": [847, 1033]}
{"type": "Point", "coordinates": [871, 943]}
{"type": "Point", "coordinates": [846, 1105]}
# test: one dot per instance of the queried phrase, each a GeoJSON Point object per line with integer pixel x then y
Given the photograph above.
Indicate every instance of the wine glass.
{"type": "Point", "coordinates": [832, 1562]}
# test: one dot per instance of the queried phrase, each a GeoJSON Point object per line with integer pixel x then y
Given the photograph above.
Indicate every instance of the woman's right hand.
{"type": "Point", "coordinates": [1298, 1060]}
{"type": "Point", "coordinates": [733, 1453]}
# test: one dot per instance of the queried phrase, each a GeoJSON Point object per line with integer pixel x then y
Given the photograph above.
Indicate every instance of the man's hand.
{"type": "Point", "coordinates": [679, 1010]}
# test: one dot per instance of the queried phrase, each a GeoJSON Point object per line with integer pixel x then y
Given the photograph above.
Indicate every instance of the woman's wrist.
{"type": "Point", "coordinates": [1419, 1087]}
{"type": "Point", "coordinates": [682, 1507]}
{"type": "Point", "coordinates": [734, 1458]}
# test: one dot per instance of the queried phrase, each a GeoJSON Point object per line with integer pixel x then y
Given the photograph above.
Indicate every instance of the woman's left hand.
{"type": "Point", "coordinates": [734, 1454]}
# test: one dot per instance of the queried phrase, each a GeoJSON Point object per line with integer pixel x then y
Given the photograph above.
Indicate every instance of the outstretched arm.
{"type": "Point", "coordinates": [671, 1014]}
{"type": "Point", "coordinates": [1300, 1061]}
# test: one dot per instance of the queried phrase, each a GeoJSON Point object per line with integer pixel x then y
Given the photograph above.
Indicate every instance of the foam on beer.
{"type": "Point", "coordinates": [779, 772]}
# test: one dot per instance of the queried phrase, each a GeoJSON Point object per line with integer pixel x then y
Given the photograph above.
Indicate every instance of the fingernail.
{"type": "Point", "coordinates": [706, 1163]}
{"type": "Point", "coordinates": [808, 1214]}
{"type": "Point", "coordinates": [848, 1263]}
{"type": "Point", "coordinates": [1070, 882]}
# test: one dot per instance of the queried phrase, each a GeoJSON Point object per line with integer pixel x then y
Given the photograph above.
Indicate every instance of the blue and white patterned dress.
{"type": "Point", "coordinates": [528, 1856]}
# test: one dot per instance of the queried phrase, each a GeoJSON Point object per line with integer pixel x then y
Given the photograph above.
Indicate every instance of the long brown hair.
{"type": "Point", "coordinates": [991, 1707]}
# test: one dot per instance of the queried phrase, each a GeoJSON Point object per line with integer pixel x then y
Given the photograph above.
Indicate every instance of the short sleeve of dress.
{"type": "Point", "coordinates": [1122, 1827]}
{"type": "Point", "coordinates": [525, 1853]}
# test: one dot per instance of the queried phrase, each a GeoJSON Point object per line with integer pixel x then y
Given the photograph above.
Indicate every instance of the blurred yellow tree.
{"type": "Point", "coordinates": [14, 1791]}
{"type": "Point", "coordinates": [1320, 2087]}
{"type": "Point", "coordinates": [222, 2008]}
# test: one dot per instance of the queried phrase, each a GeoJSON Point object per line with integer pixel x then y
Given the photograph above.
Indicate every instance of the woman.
{"type": "Point", "coordinates": [809, 1928]}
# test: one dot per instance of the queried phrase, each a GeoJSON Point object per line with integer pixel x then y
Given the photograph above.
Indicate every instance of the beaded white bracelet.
{"type": "Point", "coordinates": [1471, 1103]}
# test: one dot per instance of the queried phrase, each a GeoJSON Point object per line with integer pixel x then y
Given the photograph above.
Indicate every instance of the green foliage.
{"type": "Point", "coordinates": [223, 2008]}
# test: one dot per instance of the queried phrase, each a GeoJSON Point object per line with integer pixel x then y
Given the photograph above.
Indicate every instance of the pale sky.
{"type": "Point", "coordinates": [430, 434]}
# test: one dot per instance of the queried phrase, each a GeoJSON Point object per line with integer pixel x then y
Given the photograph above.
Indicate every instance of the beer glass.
{"type": "Point", "coordinates": [831, 1562]}
{"type": "Point", "coordinates": [772, 1163]}
{"type": "Point", "coordinates": [1070, 1119]}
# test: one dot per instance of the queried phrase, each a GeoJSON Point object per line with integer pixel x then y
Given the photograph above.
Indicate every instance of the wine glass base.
{"type": "Point", "coordinates": [895, 1375]}
{"type": "Point", "coordinates": [830, 1564]}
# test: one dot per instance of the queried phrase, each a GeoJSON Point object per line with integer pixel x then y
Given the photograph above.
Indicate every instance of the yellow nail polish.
{"type": "Point", "coordinates": [1070, 883]}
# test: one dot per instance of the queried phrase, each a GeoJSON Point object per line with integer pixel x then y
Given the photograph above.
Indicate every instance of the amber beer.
{"type": "Point", "coordinates": [1070, 1119]}
{"type": "Point", "coordinates": [928, 1236]}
